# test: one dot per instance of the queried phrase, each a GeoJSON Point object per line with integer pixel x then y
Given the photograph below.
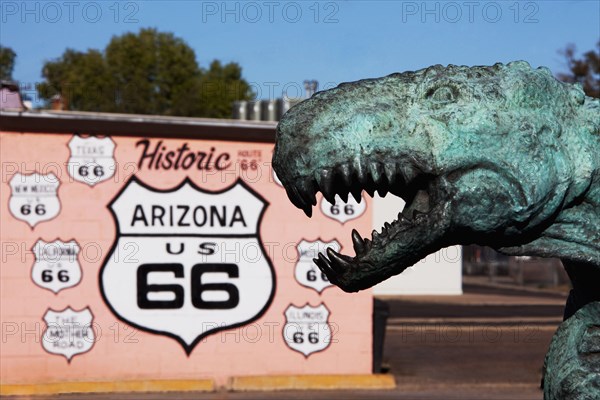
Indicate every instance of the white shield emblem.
{"type": "Point", "coordinates": [343, 212]}
{"type": "Point", "coordinates": [306, 272]}
{"type": "Point", "coordinates": [307, 328]}
{"type": "Point", "coordinates": [187, 262]}
{"type": "Point", "coordinates": [92, 159]}
{"type": "Point", "coordinates": [34, 197]}
{"type": "Point", "coordinates": [68, 332]}
{"type": "Point", "coordinates": [56, 265]}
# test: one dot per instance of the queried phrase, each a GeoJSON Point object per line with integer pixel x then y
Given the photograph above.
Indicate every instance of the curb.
{"type": "Point", "coordinates": [197, 385]}
{"type": "Point", "coordinates": [311, 382]}
{"type": "Point", "coordinates": [239, 384]}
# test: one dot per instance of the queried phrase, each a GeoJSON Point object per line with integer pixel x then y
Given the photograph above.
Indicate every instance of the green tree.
{"type": "Point", "coordinates": [81, 79]}
{"type": "Point", "coordinates": [220, 86]}
{"type": "Point", "coordinates": [153, 72]}
{"type": "Point", "coordinates": [584, 70]}
{"type": "Point", "coordinates": [145, 73]}
{"type": "Point", "coordinates": [7, 63]}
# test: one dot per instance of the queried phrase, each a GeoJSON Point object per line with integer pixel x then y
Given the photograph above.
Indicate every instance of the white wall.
{"type": "Point", "coordinates": [439, 273]}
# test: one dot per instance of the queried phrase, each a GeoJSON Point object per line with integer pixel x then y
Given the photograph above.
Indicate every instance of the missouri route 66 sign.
{"type": "Point", "coordinates": [198, 266]}
{"type": "Point", "coordinates": [56, 266]}
{"type": "Point", "coordinates": [306, 272]}
{"type": "Point", "coordinates": [306, 329]}
{"type": "Point", "coordinates": [68, 332]}
{"type": "Point", "coordinates": [92, 159]}
{"type": "Point", "coordinates": [34, 197]}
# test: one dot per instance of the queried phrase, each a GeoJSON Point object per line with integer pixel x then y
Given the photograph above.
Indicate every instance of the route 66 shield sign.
{"type": "Point", "coordinates": [307, 328]}
{"type": "Point", "coordinates": [56, 266]}
{"type": "Point", "coordinates": [68, 332]}
{"type": "Point", "coordinates": [92, 159]}
{"type": "Point", "coordinates": [306, 272]}
{"type": "Point", "coordinates": [187, 262]}
{"type": "Point", "coordinates": [343, 211]}
{"type": "Point", "coordinates": [34, 197]}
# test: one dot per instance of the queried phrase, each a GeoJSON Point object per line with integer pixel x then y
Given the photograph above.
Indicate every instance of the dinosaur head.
{"type": "Point", "coordinates": [479, 154]}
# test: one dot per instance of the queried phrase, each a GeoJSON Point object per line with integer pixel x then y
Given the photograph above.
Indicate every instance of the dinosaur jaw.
{"type": "Point", "coordinates": [418, 231]}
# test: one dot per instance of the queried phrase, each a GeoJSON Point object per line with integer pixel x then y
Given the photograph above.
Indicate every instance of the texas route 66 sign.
{"type": "Point", "coordinates": [34, 197]}
{"type": "Point", "coordinates": [307, 328]}
{"type": "Point", "coordinates": [56, 266]}
{"type": "Point", "coordinates": [92, 159]}
{"type": "Point", "coordinates": [306, 272]}
{"type": "Point", "coordinates": [198, 264]}
{"type": "Point", "coordinates": [68, 332]}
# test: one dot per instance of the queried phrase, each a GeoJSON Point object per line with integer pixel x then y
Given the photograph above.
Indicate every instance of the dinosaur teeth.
{"type": "Point", "coordinates": [376, 172]}
{"type": "Point", "coordinates": [298, 201]}
{"type": "Point", "coordinates": [343, 195]}
{"type": "Point", "coordinates": [308, 211]}
{"type": "Point", "coordinates": [370, 190]}
{"type": "Point", "coordinates": [390, 173]}
{"type": "Point", "coordinates": [357, 241]}
{"type": "Point", "coordinates": [325, 266]}
{"type": "Point", "coordinates": [351, 178]}
{"type": "Point", "coordinates": [409, 172]}
{"type": "Point", "coordinates": [361, 171]}
{"type": "Point", "coordinates": [306, 190]}
{"type": "Point", "coordinates": [338, 260]}
{"type": "Point", "coordinates": [326, 185]}
{"type": "Point", "coordinates": [294, 196]}
{"type": "Point", "coordinates": [382, 190]}
{"type": "Point", "coordinates": [345, 173]}
{"type": "Point", "coordinates": [356, 191]}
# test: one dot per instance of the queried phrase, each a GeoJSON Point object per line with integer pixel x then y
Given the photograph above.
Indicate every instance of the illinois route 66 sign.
{"type": "Point", "coordinates": [343, 212]}
{"type": "Point", "coordinates": [56, 266]}
{"type": "Point", "coordinates": [199, 265]}
{"type": "Point", "coordinates": [306, 329]}
{"type": "Point", "coordinates": [34, 197]}
{"type": "Point", "coordinates": [92, 159]}
{"type": "Point", "coordinates": [306, 272]}
{"type": "Point", "coordinates": [68, 332]}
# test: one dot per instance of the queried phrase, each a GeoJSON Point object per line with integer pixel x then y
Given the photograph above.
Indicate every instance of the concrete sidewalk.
{"type": "Point", "coordinates": [488, 344]}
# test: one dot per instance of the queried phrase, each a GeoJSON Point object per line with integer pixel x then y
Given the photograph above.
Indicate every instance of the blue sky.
{"type": "Point", "coordinates": [281, 43]}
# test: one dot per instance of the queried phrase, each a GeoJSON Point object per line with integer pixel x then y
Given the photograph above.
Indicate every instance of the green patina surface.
{"type": "Point", "coordinates": [572, 370]}
{"type": "Point", "coordinates": [504, 156]}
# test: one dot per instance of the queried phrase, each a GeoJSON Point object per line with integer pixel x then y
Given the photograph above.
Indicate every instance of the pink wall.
{"type": "Point", "coordinates": [118, 351]}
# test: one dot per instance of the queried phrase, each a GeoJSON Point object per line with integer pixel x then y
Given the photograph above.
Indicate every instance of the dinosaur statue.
{"type": "Point", "coordinates": [504, 156]}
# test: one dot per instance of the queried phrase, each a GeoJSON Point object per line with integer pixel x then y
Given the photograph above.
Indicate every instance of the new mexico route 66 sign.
{"type": "Point", "coordinates": [34, 197]}
{"type": "Point", "coordinates": [198, 266]}
{"type": "Point", "coordinates": [92, 159]}
{"type": "Point", "coordinates": [307, 328]}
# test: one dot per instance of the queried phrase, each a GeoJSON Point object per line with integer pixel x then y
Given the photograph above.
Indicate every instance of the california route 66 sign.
{"type": "Point", "coordinates": [68, 332]}
{"type": "Point", "coordinates": [92, 159]}
{"type": "Point", "coordinates": [56, 265]}
{"type": "Point", "coordinates": [343, 211]}
{"type": "Point", "coordinates": [199, 265]}
{"type": "Point", "coordinates": [306, 272]}
{"type": "Point", "coordinates": [307, 329]}
{"type": "Point", "coordinates": [34, 197]}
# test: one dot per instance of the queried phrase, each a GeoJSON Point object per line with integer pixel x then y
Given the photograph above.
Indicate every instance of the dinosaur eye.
{"type": "Point", "coordinates": [442, 94]}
